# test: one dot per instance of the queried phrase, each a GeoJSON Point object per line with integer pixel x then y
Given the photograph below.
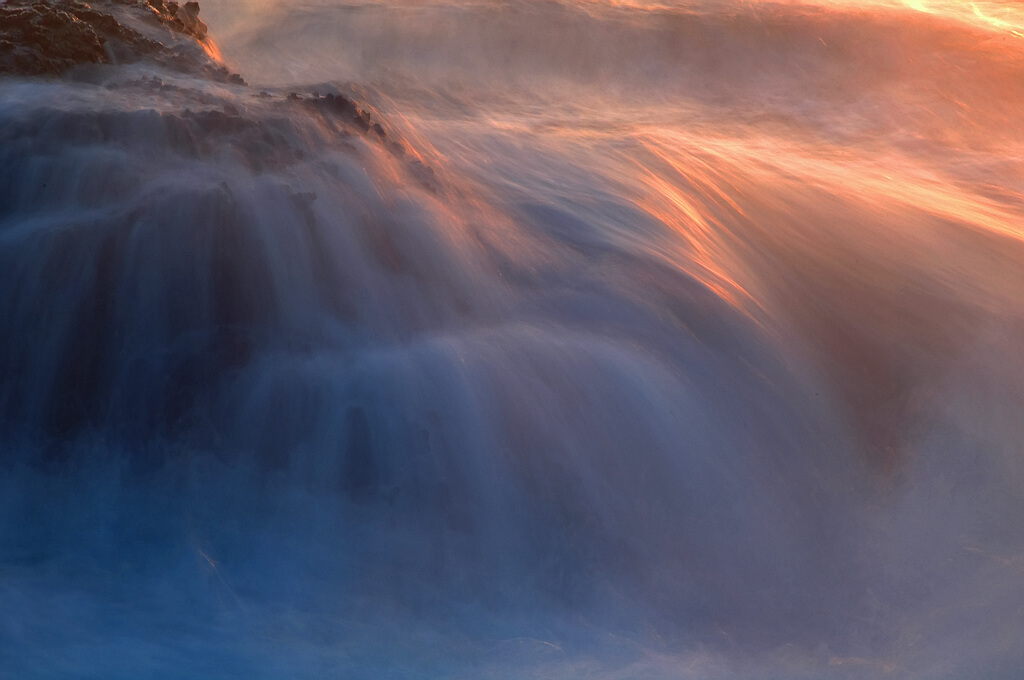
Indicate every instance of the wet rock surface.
{"type": "Point", "coordinates": [341, 107]}
{"type": "Point", "coordinates": [42, 39]}
{"type": "Point", "coordinates": [184, 19]}
{"type": "Point", "coordinates": [50, 38]}
{"type": "Point", "coordinates": [71, 38]}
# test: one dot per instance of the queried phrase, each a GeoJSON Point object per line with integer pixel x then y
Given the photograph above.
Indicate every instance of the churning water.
{"type": "Point", "coordinates": [662, 340]}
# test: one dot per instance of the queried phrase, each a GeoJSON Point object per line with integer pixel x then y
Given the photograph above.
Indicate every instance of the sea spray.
{"type": "Point", "coordinates": [516, 383]}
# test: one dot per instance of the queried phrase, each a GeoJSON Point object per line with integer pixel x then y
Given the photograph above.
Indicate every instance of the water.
{"type": "Point", "coordinates": [661, 340]}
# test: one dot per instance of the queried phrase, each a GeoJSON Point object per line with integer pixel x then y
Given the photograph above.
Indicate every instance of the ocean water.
{"type": "Point", "coordinates": [654, 340]}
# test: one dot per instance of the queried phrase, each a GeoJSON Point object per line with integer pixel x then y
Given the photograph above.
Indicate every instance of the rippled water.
{"type": "Point", "coordinates": [668, 340]}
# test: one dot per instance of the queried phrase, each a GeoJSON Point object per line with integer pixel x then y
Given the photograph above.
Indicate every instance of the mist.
{"type": "Point", "coordinates": [520, 339]}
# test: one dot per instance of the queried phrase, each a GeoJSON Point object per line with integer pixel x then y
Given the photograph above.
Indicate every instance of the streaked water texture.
{"type": "Point", "coordinates": [662, 340]}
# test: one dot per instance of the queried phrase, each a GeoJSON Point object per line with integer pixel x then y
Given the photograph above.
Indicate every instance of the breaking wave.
{"type": "Point", "coordinates": [519, 339]}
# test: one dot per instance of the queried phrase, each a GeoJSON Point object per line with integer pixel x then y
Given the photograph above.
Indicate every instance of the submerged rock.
{"type": "Point", "coordinates": [340, 107]}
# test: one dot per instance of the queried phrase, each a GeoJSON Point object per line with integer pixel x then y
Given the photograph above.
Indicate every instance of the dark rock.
{"type": "Point", "coordinates": [43, 39]}
{"type": "Point", "coordinates": [39, 38]}
{"type": "Point", "coordinates": [187, 21]}
{"type": "Point", "coordinates": [340, 107]}
{"type": "Point", "coordinates": [362, 120]}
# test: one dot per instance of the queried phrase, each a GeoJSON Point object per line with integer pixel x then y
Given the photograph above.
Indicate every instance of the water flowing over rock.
{"type": "Point", "coordinates": [666, 340]}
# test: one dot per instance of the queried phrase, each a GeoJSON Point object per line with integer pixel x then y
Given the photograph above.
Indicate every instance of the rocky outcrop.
{"type": "Point", "coordinates": [48, 38]}
{"type": "Point", "coordinates": [184, 19]}
{"type": "Point", "coordinates": [53, 37]}
{"type": "Point", "coordinates": [43, 39]}
{"type": "Point", "coordinates": [344, 108]}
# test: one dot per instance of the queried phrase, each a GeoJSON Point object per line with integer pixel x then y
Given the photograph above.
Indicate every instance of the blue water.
{"type": "Point", "coordinates": [652, 343]}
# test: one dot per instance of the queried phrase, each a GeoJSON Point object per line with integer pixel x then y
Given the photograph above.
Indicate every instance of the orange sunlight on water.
{"type": "Point", "coordinates": [686, 332]}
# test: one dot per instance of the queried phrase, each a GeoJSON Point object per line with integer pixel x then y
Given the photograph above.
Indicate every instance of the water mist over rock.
{"type": "Point", "coordinates": [449, 380]}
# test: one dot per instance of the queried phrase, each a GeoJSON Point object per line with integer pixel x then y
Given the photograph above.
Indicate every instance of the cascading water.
{"type": "Point", "coordinates": [519, 339]}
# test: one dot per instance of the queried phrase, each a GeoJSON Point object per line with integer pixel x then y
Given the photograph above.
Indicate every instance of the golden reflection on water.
{"type": "Point", "coordinates": [886, 163]}
{"type": "Point", "coordinates": [885, 260]}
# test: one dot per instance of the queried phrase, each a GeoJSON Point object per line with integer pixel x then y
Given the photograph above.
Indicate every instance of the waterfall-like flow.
{"type": "Point", "coordinates": [518, 340]}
